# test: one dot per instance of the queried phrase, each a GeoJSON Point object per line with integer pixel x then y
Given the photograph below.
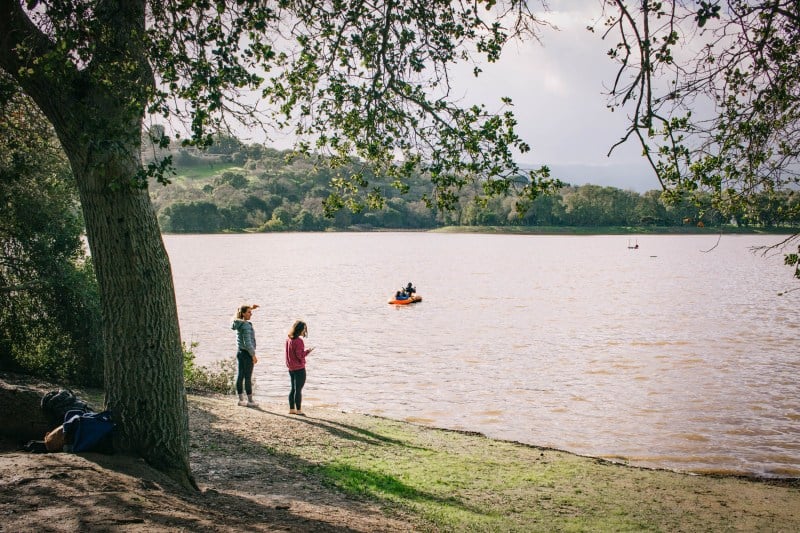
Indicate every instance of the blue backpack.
{"type": "Point", "coordinates": [88, 432]}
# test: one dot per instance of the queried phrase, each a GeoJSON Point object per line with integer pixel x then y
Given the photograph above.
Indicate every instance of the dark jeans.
{"type": "Point", "coordinates": [298, 378]}
{"type": "Point", "coordinates": [245, 375]}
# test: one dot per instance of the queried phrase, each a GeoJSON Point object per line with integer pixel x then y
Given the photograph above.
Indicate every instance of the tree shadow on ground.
{"type": "Point", "coordinates": [347, 432]}
{"type": "Point", "coordinates": [93, 492]}
{"type": "Point", "coordinates": [275, 469]}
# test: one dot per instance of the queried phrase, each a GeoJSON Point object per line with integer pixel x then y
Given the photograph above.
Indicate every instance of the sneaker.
{"type": "Point", "coordinates": [292, 411]}
{"type": "Point", "coordinates": [251, 404]}
{"type": "Point", "coordinates": [299, 413]}
{"type": "Point", "coordinates": [242, 403]}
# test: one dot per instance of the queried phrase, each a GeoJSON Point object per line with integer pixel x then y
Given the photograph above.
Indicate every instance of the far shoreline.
{"type": "Point", "coordinates": [616, 230]}
{"type": "Point", "coordinates": [540, 230]}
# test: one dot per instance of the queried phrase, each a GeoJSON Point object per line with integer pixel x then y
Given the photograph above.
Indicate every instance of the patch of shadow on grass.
{"type": "Point", "coordinates": [354, 433]}
{"type": "Point", "coordinates": [374, 483]}
{"type": "Point", "coordinates": [275, 469]}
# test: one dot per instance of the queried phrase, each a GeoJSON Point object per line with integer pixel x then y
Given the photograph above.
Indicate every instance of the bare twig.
{"type": "Point", "coordinates": [719, 238]}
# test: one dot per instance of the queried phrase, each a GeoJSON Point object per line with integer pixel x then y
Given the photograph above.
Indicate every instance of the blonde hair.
{"type": "Point", "coordinates": [298, 328]}
{"type": "Point", "coordinates": [242, 310]}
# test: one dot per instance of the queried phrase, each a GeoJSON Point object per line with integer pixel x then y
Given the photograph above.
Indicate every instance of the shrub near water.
{"type": "Point", "coordinates": [200, 379]}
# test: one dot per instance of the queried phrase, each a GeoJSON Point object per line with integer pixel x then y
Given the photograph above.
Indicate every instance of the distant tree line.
{"type": "Point", "coordinates": [235, 187]}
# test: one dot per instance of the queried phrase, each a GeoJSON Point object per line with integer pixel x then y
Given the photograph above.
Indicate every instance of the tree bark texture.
{"type": "Point", "coordinates": [144, 360]}
{"type": "Point", "coordinates": [97, 109]}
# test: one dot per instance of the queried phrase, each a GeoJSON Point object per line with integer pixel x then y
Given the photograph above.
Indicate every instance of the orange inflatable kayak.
{"type": "Point", "coordinates": [412, 300]}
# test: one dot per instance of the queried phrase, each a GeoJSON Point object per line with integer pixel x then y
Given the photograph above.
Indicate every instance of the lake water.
{"type": "Point", "coordinates": [669, 356]}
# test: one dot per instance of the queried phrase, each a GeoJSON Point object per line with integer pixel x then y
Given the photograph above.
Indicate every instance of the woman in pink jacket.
{"type": "Point", "coordinates": [296, 363]}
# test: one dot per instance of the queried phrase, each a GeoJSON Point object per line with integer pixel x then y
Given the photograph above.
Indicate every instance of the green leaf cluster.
{"type": "Point", "coordinates": [218, 379]}
{"type": "Point", "coordinates": [353, 81]}
{"type": "Point", "coordinates": [49, 302]}
{"type": "Point", "coordinates": [722, 121]}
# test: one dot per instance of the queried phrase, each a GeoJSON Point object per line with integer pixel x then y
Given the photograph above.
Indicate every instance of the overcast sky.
{"type": "Point", "coordinates": [558, 88]}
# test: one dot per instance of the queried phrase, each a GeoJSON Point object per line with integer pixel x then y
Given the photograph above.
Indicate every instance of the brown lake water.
{"type": "Point", "coordinates": [668, 356]}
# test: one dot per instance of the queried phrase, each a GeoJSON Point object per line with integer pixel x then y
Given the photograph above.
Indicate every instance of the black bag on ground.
{"type": "Point", "coordinates": [57, 403]}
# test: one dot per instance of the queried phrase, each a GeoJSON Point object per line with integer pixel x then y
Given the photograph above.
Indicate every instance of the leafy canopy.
{"type": "Point", "coordinates": [49, 301]}
{"type": "Point", "coordinates": [360, 81]}
{"type": "Point", "coordinates": [713, 90]}
{"type": "Point", "coordinates": [356, 80]}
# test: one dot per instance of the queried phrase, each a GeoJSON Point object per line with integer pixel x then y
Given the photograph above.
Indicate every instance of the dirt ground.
{"type": "Point", "coordinates": [242, 486]}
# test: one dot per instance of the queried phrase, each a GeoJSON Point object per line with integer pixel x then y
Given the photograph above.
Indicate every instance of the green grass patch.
{"type": "Point", "coordinates": [439, 480]}
{"type": "Point", "coordinates": [459, 482]}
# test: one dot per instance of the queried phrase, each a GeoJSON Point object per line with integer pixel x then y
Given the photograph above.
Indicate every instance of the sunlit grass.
{"type": "Point", "coordinates": [460, 482]}
{"type": "Point", "coordinates": [439, 480]}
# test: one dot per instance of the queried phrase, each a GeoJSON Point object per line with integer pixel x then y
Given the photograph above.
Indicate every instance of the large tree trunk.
{"type": "Point", "coordinates": [144, 360]}
{"type": "Point", "coordinates": [96, 106]}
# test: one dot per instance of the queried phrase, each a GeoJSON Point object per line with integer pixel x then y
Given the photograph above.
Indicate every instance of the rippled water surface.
{"type": "Point", "coordinates": [668, 356]}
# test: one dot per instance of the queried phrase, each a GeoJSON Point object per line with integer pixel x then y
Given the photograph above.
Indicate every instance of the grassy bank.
{"type": "Point", "coordinates": [452, 481]}
{"type": "Point", "coordinates": [264, 470]}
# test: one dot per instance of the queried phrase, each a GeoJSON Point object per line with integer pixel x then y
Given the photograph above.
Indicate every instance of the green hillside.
{"type": "Point", "coordinates": [233, 187]}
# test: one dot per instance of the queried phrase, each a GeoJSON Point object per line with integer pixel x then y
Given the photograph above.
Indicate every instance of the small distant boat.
{"type": "Point", "coordinates": [635, 246]}
{"type": "Point", "coordinates": [406, 301]}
